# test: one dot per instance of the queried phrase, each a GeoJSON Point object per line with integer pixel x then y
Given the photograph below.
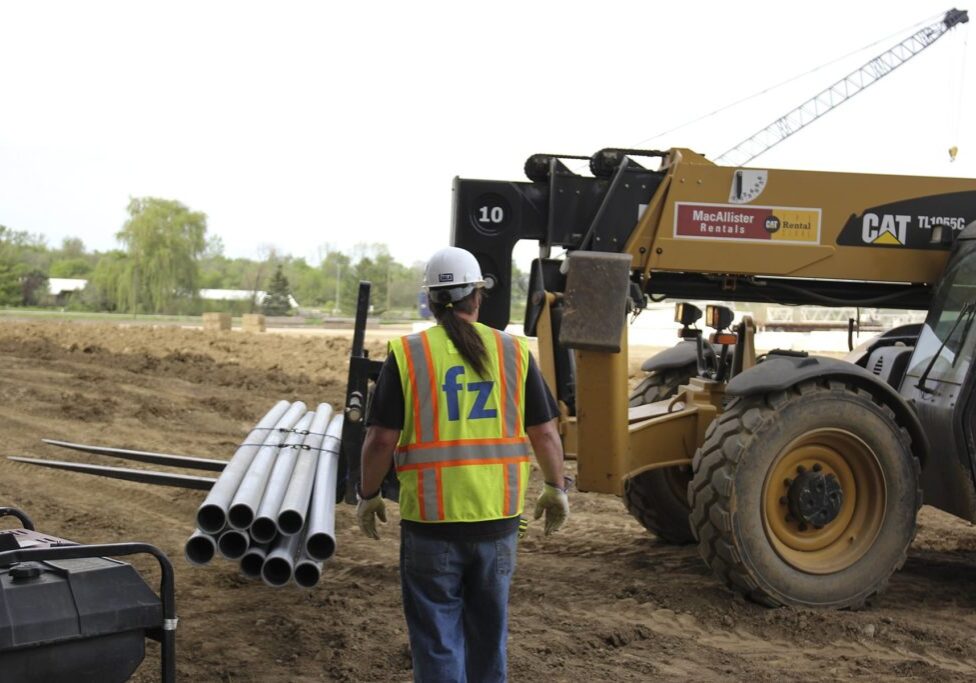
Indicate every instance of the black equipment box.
{"type": "Point", "coordinates": [83, 618]}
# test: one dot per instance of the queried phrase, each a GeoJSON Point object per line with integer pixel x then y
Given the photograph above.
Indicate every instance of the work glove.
{"type": "Point", "coordinates": [367, 510]}
{"type": "Point", "coordinates": [554, 502]}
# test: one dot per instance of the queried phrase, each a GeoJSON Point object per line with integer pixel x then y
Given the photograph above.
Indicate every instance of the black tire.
{"type": "Point", "coordinates": [658, 499]}
{"type": "Point", "coordinates": [737, 470]}
{"type": "Point", "coordinates": [659, 385]}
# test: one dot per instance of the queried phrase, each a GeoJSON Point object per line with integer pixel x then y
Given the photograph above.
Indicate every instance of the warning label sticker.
{"type": "Point", "coordinates": [787, 225]}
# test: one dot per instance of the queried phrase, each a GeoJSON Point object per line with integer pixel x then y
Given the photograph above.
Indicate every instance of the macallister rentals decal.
{"type": "Point", "coordinates": [737, 223]}
{"type": "Point", "coordinates": [930, 222]}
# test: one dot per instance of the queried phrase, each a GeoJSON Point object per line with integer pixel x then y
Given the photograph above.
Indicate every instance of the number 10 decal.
{"type": "Point", "coordinates": [491, 214]}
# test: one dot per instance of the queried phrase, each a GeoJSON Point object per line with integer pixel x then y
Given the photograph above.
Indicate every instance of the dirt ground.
{"type": "Point", "coordinates": [602, 601]}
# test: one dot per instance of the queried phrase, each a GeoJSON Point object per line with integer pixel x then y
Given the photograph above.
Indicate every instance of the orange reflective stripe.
{"type": "Point", "coordinates": [413, 391]}
{"type": "Point", "coordinates": [507, 503]}
{"type": "Point", "coordinates": [464, 452]}
{"type": "Point", "coordinates": [511, 371]}
{"type": "Point", "coordinates": [518, 389]}
{"type": "Point", "coordinates": [420, 493]}
{"type": "Point", "coordinates": [521, 484]}
{"type": "Point", "coordinates": [513, 486]}
{"type": "Point", "coordinates": [463, 442]}
{"type": "Point", "coordinates": [502, 388]}
{"type": "Point", "coordinates": [433, 385]}
{"type": "Point", "coordinates": [424, 401]}
{"type": "Point", "coordinates": [440, 493]}
{"type": "Point", "coordinates": [462, 463]}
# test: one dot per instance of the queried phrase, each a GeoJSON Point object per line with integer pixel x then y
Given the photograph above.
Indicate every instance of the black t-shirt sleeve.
{"type": "Point", "coordinates": [540, 406]}
{"type": "Point", "coordinates": [386, 407]}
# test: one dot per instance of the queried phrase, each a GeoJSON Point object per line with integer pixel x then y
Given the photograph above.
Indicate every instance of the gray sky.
{"type": "Point", "coordinates": [301, 125]}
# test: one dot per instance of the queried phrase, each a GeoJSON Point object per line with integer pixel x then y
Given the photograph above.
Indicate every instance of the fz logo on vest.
{"type": "Point", "coordinates": [885, 229]}
{"type": "Point", "coordinates": [452, 388]}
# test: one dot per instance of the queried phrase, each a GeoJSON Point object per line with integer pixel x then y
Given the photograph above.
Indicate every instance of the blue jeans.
{"type": "Point", "coordinates": [455, 599]}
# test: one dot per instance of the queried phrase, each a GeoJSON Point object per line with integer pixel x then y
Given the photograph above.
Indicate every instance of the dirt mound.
{"type": "Point", "coordinates": [602, 601]}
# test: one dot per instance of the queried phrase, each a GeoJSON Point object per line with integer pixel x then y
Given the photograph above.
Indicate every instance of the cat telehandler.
{"type": "Point", "coordinates": [798, 476]}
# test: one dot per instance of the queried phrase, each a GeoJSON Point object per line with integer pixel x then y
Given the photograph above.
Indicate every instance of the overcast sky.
{"type": "Point", "coordinates": [301, 125]}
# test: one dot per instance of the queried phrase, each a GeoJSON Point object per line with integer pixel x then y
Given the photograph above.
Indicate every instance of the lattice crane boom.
{"type": "Point", "coordinates": [841, 91]}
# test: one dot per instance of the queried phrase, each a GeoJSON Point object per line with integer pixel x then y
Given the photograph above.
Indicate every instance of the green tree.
{"type": "Point", "coordinates": [71, 260]}
{"type": "Point", "coordinates": [307, 282]}
{"type": "Point", "coordinates": [10, 292]}
{"type": "Point", "coordinates": [520, 293]}
{"type": "Point", "coordinates": [72, 247]}
{"type": "Point", "coordinates": [24, 259]}
{"type": "Point", "coordinates": [277, 300]}
{"type": "Point", "coordinates": [33, 287]}
{"type": "Point", "coordinates": [337, 283]}
{"type": "Point", "coordinates": [108, 287]}
{"type": "Point", "coordinates": [70, 267]}
{"type": "Point", "coordinates": [164, 241]}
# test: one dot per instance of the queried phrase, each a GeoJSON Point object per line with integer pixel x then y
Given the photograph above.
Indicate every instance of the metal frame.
{"type": "Point", "coordinates": [613, 442]}
{"type": "Point", "coordinates": [184, 481]}
{"type": "Point", "coordinates": [185, 461]}
{"type": "Point", "coordinates": [362, 370]}
{"type": "Point", "coordinates": [19, 514]}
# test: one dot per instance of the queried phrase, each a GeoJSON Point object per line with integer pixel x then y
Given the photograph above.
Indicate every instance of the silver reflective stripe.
{"type": "Point", "coordinates": [425, 398]}
{"type": "Point", "coordinates": [510, 348]}
{"type": "Point", "coordinates": [400, 457]}
{"type": "Point", "coordinates": [462, 451]}
{"type": "Point", "coordinates": [512, 472]}
{"type": "Point", "coordinates": [428, 485]}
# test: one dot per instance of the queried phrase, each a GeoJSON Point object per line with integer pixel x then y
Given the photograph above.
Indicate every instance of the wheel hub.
{"type": "Point", "coordinates": [815, 498]}
{"type": "Point", "coordinates": [824, 500]}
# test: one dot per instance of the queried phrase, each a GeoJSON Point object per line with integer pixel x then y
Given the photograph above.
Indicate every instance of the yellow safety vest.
{"type": "Point", "coordinates": [463, 455]}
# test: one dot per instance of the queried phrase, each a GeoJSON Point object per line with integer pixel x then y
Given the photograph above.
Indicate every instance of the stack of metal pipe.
{"type": "Point", "coordinates": [273, 506]}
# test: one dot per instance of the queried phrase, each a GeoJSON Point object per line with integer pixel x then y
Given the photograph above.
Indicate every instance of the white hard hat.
{"type": "Point", "coordinates": [451, 274]}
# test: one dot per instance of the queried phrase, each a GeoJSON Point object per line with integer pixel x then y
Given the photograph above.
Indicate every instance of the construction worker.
{"type": "Point", "coordinates": [456, 407]}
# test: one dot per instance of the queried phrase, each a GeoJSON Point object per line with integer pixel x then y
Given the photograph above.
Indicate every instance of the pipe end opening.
{"type": "Point", "coordinates": [320, 546]}
{"type": "Point", "coordinates": [240, 516]}
{"type": "Point", "coordinates": [263, 530]}
{"type": "Point", "coordinates": [200, 550]}
{"type": "Point", "coordinates": [211, 518]}
{"type": "Point", "coordinates": [251, 564]}
{"type": "Point", "coordinates": [233, 544]}
{"type": "Point", "coordinates": [276, 572]}
{"type": "Point", "coordinates": [307, 574]}
{"type": "Point", "coordinates": [290, 522]}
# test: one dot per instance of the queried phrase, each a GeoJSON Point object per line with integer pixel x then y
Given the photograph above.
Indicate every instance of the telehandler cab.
{"type": "Point", "coordinates": [798, 476]}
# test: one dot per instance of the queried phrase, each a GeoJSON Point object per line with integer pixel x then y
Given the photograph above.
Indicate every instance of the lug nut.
{"type": "Point", "coordinates": [803, 526]}
{"type": "Point", "coordinates": [817, 467]}
{"type": "Point", "coordinates": [787, 482]}
{"type": "Point", "coordinates": [800, 469]}
{"type": "Point", "coordinates": [782, 500]}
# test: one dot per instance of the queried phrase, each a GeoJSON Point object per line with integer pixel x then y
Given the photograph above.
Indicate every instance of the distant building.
{"type": "Point", "coordinates": [58, 286]}
{"type": "Point", "coordinates": [63, 288]}
{"type": "Point", "coordinates": [240, 295]}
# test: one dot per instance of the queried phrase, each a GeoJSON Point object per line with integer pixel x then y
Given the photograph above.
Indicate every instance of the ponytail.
{"type": "Point", "coordinates": [463, 334]}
